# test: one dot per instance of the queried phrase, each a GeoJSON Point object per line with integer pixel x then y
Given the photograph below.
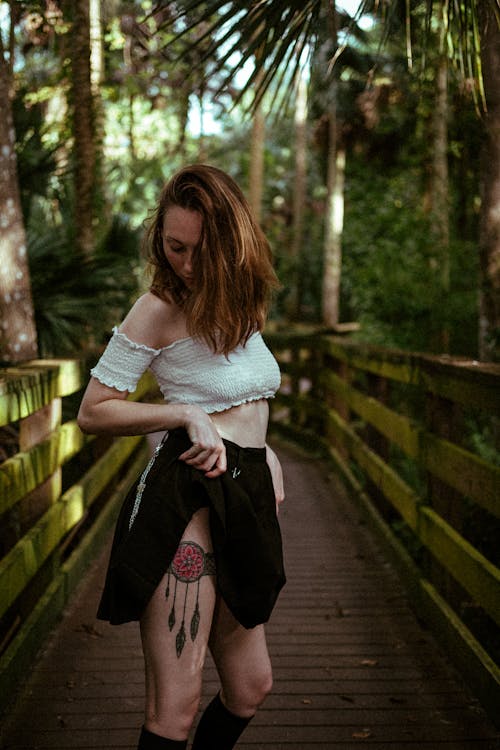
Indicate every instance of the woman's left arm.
{"type": "Point", "coordinates": [277, 476]}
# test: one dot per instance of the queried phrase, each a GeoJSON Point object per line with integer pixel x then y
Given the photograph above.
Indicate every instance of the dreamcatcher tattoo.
{"type": "Point", "coordinates": [190, 563]}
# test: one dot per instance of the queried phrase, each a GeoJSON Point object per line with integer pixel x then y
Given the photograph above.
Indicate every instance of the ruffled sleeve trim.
{"type": "Point", "coordinates": [134, 344]}
{"type": "Point", "coordinates": [123, 362]}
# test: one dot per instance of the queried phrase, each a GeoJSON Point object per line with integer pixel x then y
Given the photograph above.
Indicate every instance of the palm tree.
{"type": "Point", "coordinates": [85, 155]}
{"type": "Point", "coordinates": [283, 29]}
{"type": "Point", "coordinates": [276, 34]}
{"type": "Point", "coordinates": [489, 231]}
{"type": "Point", "coordinates": [85, 53]}
{"type": "Point", "coordinates": [18, 339]}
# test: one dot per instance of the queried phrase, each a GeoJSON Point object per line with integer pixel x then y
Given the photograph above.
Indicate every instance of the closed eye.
{"type": "Point", "coordinates": [175, 246]}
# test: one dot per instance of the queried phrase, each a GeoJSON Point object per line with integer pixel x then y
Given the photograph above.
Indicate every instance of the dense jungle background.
{"type": "Point", "coordinates": [364, 136]}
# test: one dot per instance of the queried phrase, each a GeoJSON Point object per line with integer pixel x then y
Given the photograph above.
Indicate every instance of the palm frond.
{"type": "Point", "coordinates": [272, 34]}
{"type": "Point", "coordinates": [75, 298]}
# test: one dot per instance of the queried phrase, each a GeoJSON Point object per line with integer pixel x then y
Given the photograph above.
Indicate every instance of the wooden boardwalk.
{"type": "Point", "coordinates": [353, 667]}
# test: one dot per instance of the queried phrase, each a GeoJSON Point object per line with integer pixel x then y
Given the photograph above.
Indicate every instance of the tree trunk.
{"type": "Point", "coordinates": [256, 176]}
{"type": "Point", "coordinates": [257, 144]}
{"type": "Point", "coordinates": [85, 152]}
{"type": "Point", "coordinates": [97, 75]}
{"type": "Point", "coordinates": [489, 229]}
{"type": "Point", "coordinates": [184, 107]}
{"type": "Point", "coordinates": [334, 221]}
{"type": "Point", "coordinates": [96, 51]}
{"type": "Point", "coordinates": [299, 196]}
{"type": "Point", "coordinates": [202, 146]}
{"type": "Point", "coordinates": [18, 338]}
{"type": "Point", "coordinates": [440, 225]}
{"type": "Point", "coordinates": [334, 216]}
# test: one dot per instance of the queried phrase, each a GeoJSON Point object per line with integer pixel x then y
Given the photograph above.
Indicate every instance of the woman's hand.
{"type": "Point", "coordinates": [207, 452]}
{"type": "Point", "coordinates": [277, 476]}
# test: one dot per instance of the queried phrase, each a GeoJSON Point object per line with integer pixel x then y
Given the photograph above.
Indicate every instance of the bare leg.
{"type": "Point", "coordinates": [242, 661]}
{"type": "Point", "coordinates": [244, 668]}
{"type": "Point", "coordinates": [175, 629]}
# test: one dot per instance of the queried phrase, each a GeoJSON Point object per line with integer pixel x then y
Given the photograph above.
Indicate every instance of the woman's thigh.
{"type": "Point", "coordinates": [242, 661]}
{"type": "Point", "coordinates": [176, 624]}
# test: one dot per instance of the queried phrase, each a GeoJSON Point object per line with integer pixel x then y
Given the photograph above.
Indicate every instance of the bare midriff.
{"type": "Point", "coordinates": [245, 425]}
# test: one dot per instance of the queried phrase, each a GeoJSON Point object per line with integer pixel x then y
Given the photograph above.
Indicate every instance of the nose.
{"type": "Point", "coordinates": [188, 263]}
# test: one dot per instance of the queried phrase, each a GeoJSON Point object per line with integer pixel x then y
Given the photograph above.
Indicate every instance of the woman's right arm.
{"type": "Point", "coordinates": [105, 410]}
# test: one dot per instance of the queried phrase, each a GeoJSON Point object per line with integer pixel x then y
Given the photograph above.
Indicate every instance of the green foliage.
{"type": "Point", "coordinates": [391, 272]}
{"type": "Point", "coordinates": [391, 268]}
{"type": "Point", "coordinates": [77, 300]}
{"type": "Point", "coordinates": [35, 156]}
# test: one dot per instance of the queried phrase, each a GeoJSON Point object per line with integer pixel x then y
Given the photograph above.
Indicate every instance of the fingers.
{"type": "Point", "coordinates": [207, 451]}
{"type": "Point", "coordinates": [210, 459]}
{"type": "Point", "coordinates": [219, 467]}
{"type": "Point", "coordinates": [277, 476]}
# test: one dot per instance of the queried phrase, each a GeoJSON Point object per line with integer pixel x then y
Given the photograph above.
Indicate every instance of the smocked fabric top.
{"type": "Point", "coordinates": [189, 372]}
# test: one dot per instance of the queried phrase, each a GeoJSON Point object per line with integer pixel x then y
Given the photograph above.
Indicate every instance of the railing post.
{"type": "Point", "coordinates": [295, 413]}
{"type": "Point", "coordinates": [33, 430]}
{"type": "Point", "coordinates": [317, 422]}
{"type": "Point", "coordinates": [335, 401]}
{"type": "Point", "coordinates": [377, 387]}
{"type": "Point", "coordinates": [444, 419]}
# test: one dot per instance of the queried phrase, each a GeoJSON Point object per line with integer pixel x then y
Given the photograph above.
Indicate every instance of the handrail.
{"type": "Point", "coordinates": [394, 424]}
{"type": "Point", "coordinates": [55, 511]}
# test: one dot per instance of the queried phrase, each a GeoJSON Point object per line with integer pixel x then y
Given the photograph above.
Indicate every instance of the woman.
{"type": "Point", "coordinates": [197, 551]}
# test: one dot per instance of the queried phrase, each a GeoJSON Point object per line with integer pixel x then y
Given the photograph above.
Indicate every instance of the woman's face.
{"type": "Point", "coordinates": [181, 237]}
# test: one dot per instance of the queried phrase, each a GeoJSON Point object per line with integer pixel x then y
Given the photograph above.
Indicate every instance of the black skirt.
{"type": "Point", "coordinates": [245, 532]}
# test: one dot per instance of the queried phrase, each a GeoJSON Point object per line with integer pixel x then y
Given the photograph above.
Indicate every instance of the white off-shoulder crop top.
{"type": "Point", "coordinates": [189, 372]}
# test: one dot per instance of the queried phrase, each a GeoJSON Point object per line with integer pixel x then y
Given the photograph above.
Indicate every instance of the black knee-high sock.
{"type": "Point", "coordinates": [218, 728]}
{"type": "Point", "coordinates": [150, 741]}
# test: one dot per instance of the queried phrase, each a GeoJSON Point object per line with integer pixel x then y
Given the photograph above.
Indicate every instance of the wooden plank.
{"type": "Point", "coordinates": [27, 556]}
{"type": "Point", "coordinates": [479, 669]}
{"type": "Point", "coordinates": [31, 386]}
{"type": "Point", "coordinates": [401, 430]}
{"type": "Point", "coordinates": [27, 469]}
{"type": "Point", "coordinates": [24, 393]}
{"type": "Point", "coordinates": [470, 383]}
{"type": "Point", "coordinates": [70, 373]}
{"type": "Point", "coordinates": [464, 381]}
{"type": "Point", "coordinates": [468, 566]}
{"type": "Point", "coordinates": [379, 362]}
{"type": "Point", "coordinates": [471, 475]}
{"type": "Point", "coordinates": [18, 657]}
{"type": "Point", "coordinates": [478, 576]}
{"type": "Point", "coordinates": [399, 494]}
{"type": "Point", "coordinates": [39, 425]}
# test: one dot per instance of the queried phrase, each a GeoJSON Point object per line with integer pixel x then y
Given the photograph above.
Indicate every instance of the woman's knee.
{"type": "Point", "coordinates": [172, 716]}
{"type": "Point", "coordinates": [263, 685]}
{"type": "Point", "coordinates": [244, 696]}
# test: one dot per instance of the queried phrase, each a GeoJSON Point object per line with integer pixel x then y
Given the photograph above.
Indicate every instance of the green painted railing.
{"type": "Point", "coordinates": [406, 433]}
{"type": "Point", "coordinates": [59, 494]}
{"type": "Point", "coordinates": [412, 436]}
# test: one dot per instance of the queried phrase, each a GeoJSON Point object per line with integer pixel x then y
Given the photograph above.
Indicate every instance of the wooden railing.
{"type": "Point", "coordinates": [59, 494]}
{"type": "Point", "coordinates": [412, 436]}
{"type": "Point", "coordinates": [406, 432]}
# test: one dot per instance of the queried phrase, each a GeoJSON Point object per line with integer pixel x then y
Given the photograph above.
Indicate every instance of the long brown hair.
{"type": "Point", "coordinates": [233, 268]}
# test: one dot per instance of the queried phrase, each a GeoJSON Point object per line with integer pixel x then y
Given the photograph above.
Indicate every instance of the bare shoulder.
{"type": "Point", "coordinates": [151, 321]}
